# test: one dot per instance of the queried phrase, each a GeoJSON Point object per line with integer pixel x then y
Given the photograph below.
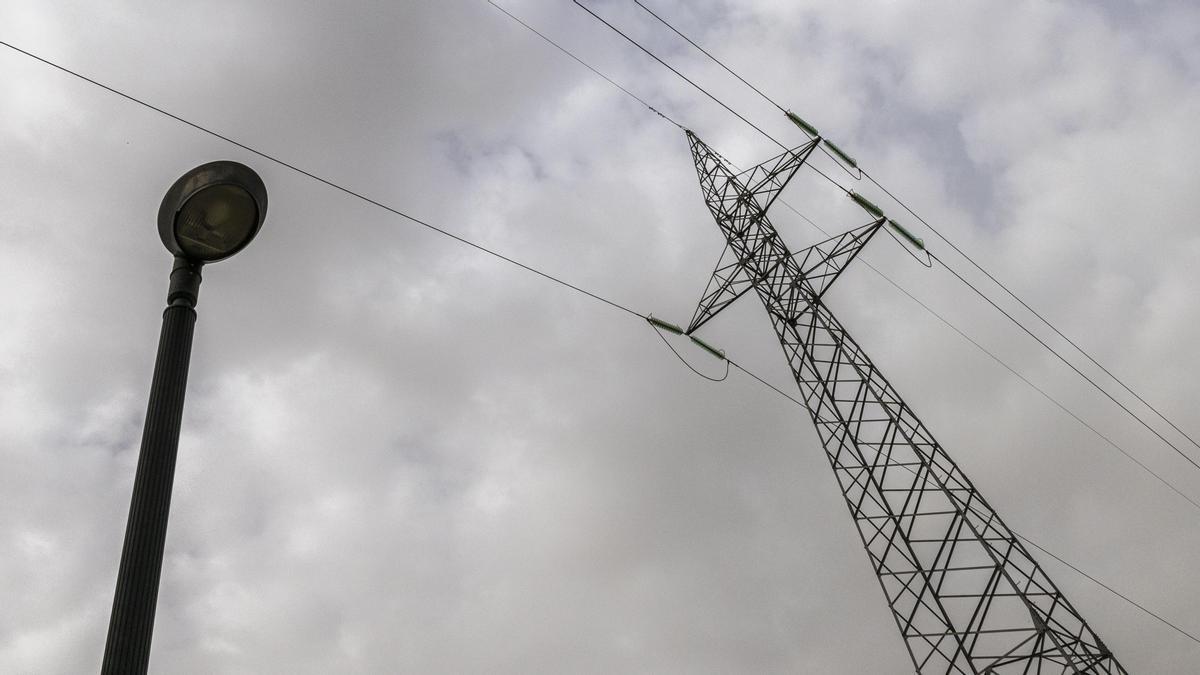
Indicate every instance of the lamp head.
{"type": "Point", "coordinates": [212, 211]}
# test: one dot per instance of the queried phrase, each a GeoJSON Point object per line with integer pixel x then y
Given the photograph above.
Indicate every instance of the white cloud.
{"type": "Point", "coordinates": [402, 454]}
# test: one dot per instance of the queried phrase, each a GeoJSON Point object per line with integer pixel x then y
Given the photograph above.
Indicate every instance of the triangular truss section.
{"type": "Point", "coordinates": [729, 281]}
{"type": "Point", "coordinates": [822, 263]}
{"type": "Point", "coordinates": [739, 202]}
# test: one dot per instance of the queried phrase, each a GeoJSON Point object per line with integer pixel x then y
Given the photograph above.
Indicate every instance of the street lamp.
{"type": "Point", "coordinates": [209, 214]}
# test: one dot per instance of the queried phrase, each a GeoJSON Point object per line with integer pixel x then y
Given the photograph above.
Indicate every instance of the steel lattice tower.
{"type": "Point", "coordinates": [965, 593]}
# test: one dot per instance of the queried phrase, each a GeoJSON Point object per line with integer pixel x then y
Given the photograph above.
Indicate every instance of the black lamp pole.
{"type": "Point", "coordinates": [132, 620]}
{"type": "Point", "coordinates": [209, 214]}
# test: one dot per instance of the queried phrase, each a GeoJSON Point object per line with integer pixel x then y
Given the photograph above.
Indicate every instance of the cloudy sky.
{"type": "Point", "coordinates": [402, 455]}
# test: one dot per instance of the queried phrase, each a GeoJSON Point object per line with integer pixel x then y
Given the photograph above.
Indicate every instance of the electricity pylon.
{"type": "Point", "coordinates": [965, 593]}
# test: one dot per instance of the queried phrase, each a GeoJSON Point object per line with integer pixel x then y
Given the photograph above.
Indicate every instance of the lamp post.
{"type": "Point", "coordinates": [209, 214]}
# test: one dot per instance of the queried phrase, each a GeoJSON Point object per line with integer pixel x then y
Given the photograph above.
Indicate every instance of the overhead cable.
{"type": "Point", "coordinates": [1044, 344]}
{"type": "Point", "coordinates": [321, 180]}
{"type": "Point", "coordinates": [585, 64]}
{"type": "Point", "coordinates": [668, 66]}
{"type": "Point", "coordinates": [472, 244]}
{"type": "Point", "coordinates": [877, 271]}
{"type": "Point", "coordinates": [958, 250]}
{"type": "Point", "coordinates": [1070, 365]}
{"type": "Point", "coordinates": [684, 361]}
{"type": "Point", "coordinates": [1037, 314]}
{"type": "Point", "coordinates": [715, 59]}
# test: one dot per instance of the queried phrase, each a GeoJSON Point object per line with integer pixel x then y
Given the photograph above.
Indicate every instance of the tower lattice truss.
{"type": "Point", "coordinates": [965, 593]}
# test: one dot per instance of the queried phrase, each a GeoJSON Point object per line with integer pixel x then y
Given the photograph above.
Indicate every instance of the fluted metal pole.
{"type": "Point", "coordinates": [127, 650]}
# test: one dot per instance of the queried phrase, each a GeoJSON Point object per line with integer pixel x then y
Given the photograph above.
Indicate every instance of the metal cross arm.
{"type": "Point", "coordinates": [754, 252]}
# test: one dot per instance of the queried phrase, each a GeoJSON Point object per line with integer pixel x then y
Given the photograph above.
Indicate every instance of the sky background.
{"type": "Point", "coordinates": [402, 455]}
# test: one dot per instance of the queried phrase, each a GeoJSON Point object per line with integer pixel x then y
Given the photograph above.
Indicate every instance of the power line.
{"type": "Point", "coordinates": [1043, 392]}
{"type": "Point", "coordinates": [652, 55]}
{"type": "Point", "coordinates": [685, 361]}
{"type": "Point", "coordinates": [705, 52]}
{"type": "Point", "coordinates": [1106, 587]}
{"type": "Point", "coordinates": [960, 278]}
{"type": "Point", "coordinates": [479, 247]}
{"type": "Point", "coordinates": [1020, 536]}
{"type": "Point", "coordinates": [956, 249]}
{"type": "Point", "coordinates": [1034, 312]}
{"type": "Point", "coordinates": [321, 180]}
{"type": "Point", "coordinates": [763, 382]}
{"type": "Point", "coordinates": [885, 277]}
{"type": "Point", "coordinates": [1089, 577]}
{"type": "Point", "coordinates": [704, 91]}
{"type": "Point", "coordinates": [1069, 364]}
{"type": "Point", "coordinates": [792, 399]}
{"type": "Point", "coordinates": [585, 64]}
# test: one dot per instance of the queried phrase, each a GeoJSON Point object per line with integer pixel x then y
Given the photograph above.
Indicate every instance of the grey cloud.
{"type": "Point", "coordinates": [403, 455]}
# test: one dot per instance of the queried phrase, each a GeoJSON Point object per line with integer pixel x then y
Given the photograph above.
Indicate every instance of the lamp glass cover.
{"type": "Point", "coordinates": [215, 222]}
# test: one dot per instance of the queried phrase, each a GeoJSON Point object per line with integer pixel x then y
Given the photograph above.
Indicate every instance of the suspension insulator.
{"type": "Point", "coordinates": [841, 154]}
{"type": "Point", "coordinates": [804, 126]}
{"type": "Point", "coordinates": [913, 239]}
{"type": "Point", "coordinates": [720, 354]}
{"type": "Point", "coordinates": [867, 205]}
{"type": "Point", "coordinates": [669, 327]}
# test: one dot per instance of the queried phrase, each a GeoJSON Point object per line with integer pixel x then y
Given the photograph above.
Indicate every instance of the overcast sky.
{"type": "Point", "coordinates": [402, 455]}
